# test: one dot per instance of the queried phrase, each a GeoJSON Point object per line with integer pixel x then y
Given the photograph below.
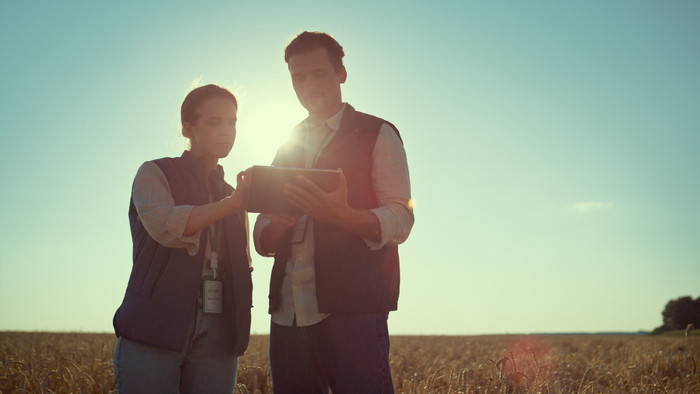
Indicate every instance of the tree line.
{"type": "Point", "coordinates": [679, 313]}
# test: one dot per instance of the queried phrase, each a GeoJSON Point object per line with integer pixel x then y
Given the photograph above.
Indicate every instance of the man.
{"type": "Point", "coordinates": [336, 270]}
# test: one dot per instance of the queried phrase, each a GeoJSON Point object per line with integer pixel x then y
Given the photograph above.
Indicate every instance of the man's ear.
{"type": "Point", "coordinates": [187, 130]}
{"type": "Point", "coordinates": [343, 74]}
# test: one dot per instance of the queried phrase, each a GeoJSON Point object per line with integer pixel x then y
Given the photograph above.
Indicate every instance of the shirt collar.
{"type": "Point", "coordinates": [333, 122]}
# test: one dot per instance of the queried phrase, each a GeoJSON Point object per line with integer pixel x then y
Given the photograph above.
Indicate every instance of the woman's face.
{"type": "Point", "coordinates": [213, 135]}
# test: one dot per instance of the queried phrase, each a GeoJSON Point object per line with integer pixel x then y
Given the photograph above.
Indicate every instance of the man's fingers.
{"type": "Point", "coordinates": [309, 186]}
{"type": "Point", "coordinates": [294, 190]}
{"type": "Point", "coordinates": [341, 179]}
{"type": "Point", "coordinates": [298, 202]}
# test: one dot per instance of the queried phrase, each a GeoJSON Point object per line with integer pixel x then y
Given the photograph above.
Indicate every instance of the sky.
{"type": "Point", "coordinates": [552, 146]}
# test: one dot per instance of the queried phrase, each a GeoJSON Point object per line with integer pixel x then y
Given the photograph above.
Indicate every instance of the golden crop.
{"type": "Point", "coordinates": [82, 363]}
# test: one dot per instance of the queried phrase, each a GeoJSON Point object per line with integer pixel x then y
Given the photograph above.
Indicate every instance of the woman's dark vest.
{"type": "Point", "coordinates": [160, 303]}
{"type": "Point", "coordinates": [350, 278]}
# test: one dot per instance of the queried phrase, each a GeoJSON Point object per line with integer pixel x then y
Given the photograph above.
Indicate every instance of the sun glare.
{"type": "Point", "coordinates": [412, 203]}
{"type": "Point", "coordinates": [262, 129]}
{"type": "Point", "coordinates": [529, 362]}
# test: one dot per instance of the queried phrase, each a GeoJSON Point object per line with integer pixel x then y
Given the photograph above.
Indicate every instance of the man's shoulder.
{"type": "Point", "coordinates": [369, 122]}
{"type": "Point", "coordinates": [351, 111]}
{"type": "Point", "coordinates": [366, 119]}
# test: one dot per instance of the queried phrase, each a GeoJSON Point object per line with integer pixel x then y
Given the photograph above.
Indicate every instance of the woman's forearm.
{"type": "Point", "coordinates": [204, 215]}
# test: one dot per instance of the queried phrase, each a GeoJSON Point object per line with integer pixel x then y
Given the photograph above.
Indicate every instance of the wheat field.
{"type": "Point", "coordinates": [36, 362]}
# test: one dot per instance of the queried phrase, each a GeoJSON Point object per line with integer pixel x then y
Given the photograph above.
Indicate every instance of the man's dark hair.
{"type": "Point", "coordinates": [310, 40]}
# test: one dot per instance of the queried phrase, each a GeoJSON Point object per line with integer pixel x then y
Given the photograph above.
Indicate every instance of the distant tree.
{"type": "Point", "coordinates": [679, 313]}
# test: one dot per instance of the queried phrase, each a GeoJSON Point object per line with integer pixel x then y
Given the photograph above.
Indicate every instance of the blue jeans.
{"type": "Point", "coordinates": [348, 353]}
{"type": "Point", "coordinates": [202, 367]}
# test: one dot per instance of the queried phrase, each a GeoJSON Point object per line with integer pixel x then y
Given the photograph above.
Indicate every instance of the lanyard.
{"type": "Point", "coordinates": [300, 228]}
{"type": "Point", "coordinates": [213, 230]}
{"type": "Point", "coordinates": [329, 134]}
{"type": "Point", "coordinates": [212, 288]}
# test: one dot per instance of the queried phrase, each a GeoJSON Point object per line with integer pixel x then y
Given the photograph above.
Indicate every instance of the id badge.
{"type": "Point", "coordinates": [212, 296]}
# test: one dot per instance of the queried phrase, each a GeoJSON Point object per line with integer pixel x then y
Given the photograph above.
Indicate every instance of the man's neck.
{"type": "Point", "coordinates": [320, 117]}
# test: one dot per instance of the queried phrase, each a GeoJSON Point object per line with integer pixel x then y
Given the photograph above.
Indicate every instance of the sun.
{"type": "Point", "coordinates": [262, 128]}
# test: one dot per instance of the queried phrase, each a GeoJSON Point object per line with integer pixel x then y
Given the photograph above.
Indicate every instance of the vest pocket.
{"type": "Point", "coordinates": [148, 270]}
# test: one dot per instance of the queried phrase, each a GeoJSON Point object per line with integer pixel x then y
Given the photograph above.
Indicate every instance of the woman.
{"type": "Point", "coordinates": [185, 317]}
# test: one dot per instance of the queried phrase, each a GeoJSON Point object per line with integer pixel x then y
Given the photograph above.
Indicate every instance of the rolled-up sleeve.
{"type": "Point", "coordinates": [260, 223]}
{"type": "Point", "coordinates": [392, 186]}
{"type": "Point", "coordinates": [163, 220]}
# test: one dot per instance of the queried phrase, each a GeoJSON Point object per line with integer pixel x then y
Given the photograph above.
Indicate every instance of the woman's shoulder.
{"type": "Point", "coordinates": [148, 172]}
{"type": "Point", "coordinates": [149, 166]}
{"type": "Point", "coordinates": [163, 164]}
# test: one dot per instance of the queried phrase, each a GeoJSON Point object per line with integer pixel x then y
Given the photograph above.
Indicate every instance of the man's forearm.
{"type": "Point", "coordinates": [272, 233]}
{"type": "Point", "coordinates": [269, 239]}
{"type": "Point", "coordinates": [360, 222]}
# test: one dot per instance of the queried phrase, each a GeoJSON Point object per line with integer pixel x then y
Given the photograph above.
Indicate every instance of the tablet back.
{"type": "Point", "coordinates": [266, 186]}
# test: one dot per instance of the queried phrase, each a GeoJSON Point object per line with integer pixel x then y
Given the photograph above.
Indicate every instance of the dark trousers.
{"type": "Point", "coordinates": [348, 353]}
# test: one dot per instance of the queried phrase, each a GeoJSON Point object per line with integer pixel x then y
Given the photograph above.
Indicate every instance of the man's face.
{"type": "Point", "coordinates": [317, 83]}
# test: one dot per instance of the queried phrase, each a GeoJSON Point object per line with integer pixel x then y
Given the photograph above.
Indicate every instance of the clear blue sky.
{"type": "Point", "coordinates": [554, 148]}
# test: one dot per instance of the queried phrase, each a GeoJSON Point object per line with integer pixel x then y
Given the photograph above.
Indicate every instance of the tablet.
{"type": "Point", "coordinates": [266, 186]}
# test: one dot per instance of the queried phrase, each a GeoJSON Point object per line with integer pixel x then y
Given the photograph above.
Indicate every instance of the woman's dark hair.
{"type": "Point", "coordinates": [310, 40]}
{"type": "Point", "coordinates": [195, 98]}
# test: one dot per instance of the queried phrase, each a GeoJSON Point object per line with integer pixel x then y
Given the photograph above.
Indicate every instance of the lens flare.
{"type": "Point", "coordinates": [529, 363]}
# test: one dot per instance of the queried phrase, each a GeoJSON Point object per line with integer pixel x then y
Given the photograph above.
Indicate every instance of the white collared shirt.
{"type": "Point", "coordinates": [392, 186]}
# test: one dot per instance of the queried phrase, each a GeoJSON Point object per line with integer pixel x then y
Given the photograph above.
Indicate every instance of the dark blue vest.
{"type": "Point", "coordinates": [161, 297]}
{"type": "Point", "coordinates": [350, 278]}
